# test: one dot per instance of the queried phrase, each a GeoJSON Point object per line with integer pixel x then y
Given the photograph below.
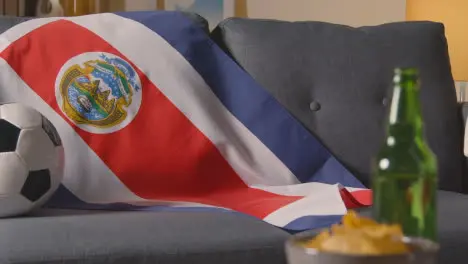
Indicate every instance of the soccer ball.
{"type": "Point", "coordinates": [31, 159]}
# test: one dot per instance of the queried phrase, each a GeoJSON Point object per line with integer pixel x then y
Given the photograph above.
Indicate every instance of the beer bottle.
{"type": "Point", "coordinates": [405, 172]}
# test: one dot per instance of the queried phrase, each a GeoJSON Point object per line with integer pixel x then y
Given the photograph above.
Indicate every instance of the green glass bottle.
{"type": "Point", "coordinates": [405, 172]}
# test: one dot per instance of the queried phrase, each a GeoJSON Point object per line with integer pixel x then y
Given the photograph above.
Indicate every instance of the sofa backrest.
{"type": "Point", "coordinates": [337, 79]}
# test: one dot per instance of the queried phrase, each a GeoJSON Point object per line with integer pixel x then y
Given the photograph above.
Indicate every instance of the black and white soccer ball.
{"type": "Point", "coordinates": [31, 159]}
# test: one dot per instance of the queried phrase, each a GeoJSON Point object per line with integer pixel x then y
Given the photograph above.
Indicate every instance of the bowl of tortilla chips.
{"type": "Point", "coordinates": [359, 240]}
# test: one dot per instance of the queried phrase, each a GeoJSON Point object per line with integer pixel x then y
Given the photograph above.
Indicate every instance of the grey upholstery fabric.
{"type": "Point", "coordinates": [139, 237]}
{"type": "Point", "coordinates": [453, 233]}
{"type": "Point", "coordinates": [337, 79]}
{"type": "Point", "coordinates": [68, 236]}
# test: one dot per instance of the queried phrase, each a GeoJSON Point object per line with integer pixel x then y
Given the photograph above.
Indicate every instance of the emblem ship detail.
{"type": "Point", "coordinates": [100, 99]}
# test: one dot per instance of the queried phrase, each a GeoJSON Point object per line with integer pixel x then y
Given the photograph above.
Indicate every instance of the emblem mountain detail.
{"type": "Point", "coordinates": [97, 91]}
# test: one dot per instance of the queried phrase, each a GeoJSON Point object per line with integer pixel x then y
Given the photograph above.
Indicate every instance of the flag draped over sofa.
{"type": "Point", "coordinates": [154, 116]}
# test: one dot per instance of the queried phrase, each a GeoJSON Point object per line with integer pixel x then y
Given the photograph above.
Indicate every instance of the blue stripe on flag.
{"type": "Point", "coordinates": [340, 174]}
{"type": "Point", "coordinates": [260, 112]}
{"type": "Point", "coordinates": [65, 199]}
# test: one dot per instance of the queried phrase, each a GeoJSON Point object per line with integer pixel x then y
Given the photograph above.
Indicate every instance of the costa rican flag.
{"type": "Point", "coordinates": [154, 116]}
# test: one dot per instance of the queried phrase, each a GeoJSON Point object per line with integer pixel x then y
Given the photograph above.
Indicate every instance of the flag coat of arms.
{"type": "Point", "coordinates": [154, 116]}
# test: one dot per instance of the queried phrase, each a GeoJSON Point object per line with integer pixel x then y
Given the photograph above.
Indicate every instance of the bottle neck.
{"type": "Point", "coordinates": [405, 110]}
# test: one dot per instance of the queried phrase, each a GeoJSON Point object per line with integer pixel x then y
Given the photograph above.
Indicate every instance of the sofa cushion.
{"type": "Point", "coordinates": [67, 236]}
{"type": "Point", "coordinates": [336, 80]}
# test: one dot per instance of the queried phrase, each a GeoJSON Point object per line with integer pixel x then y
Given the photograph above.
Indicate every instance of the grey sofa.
{"type": "Point", "coordinates": [335, 80]}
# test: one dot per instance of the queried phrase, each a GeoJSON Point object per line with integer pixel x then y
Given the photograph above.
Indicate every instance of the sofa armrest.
{"type": "Point", "coordinates": [463, 113]}
{"type": "Point", "coordinates": [463, 108]}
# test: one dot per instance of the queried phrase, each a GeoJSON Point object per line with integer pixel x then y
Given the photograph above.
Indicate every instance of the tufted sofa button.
{"type": "Point", "coordinates": [314, 106]}
{"type": "Point", "coordinates": [385, 101]}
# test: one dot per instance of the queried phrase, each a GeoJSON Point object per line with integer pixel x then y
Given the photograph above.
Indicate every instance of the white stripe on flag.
{"type": "Point", "coordinates": [187, 90]}
{"type": "Point", "coordinates": [353, 189]}
{"type": "Point", "coordinates": [319, 200]}
{"type": "Point", "coordinates": [77, 152]}
{"type": "Point", "coordinates": [302, 189]}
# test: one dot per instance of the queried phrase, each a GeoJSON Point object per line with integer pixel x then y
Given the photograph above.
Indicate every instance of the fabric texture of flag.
{"type": "Point", "coordinates": [154, 116]}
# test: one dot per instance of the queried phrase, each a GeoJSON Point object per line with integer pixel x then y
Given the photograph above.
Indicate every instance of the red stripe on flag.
{"type": "Point", "coordinates": [160, 154]}
{"type": "Point", "coordinates": [356, 199]}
